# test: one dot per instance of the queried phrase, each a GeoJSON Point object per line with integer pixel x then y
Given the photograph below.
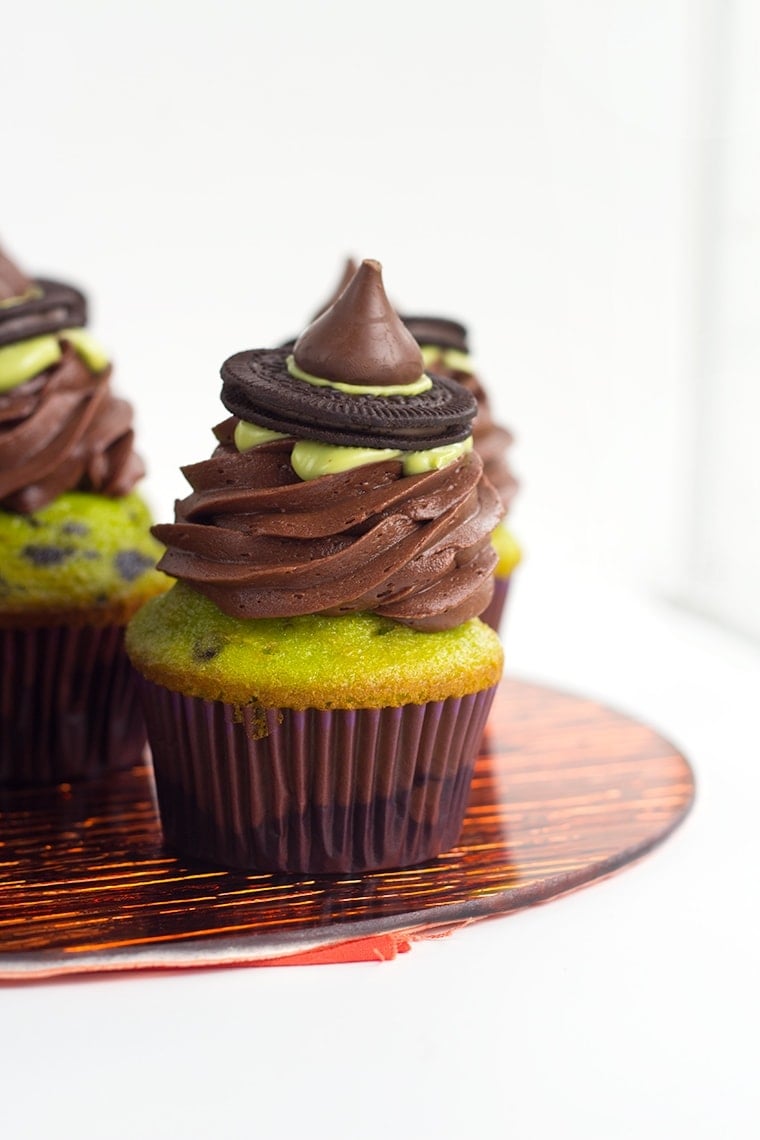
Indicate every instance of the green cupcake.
{"type": "Point", "coordinates": [317, 682]}
{"type": "Point", "coordinates": [77, 556]}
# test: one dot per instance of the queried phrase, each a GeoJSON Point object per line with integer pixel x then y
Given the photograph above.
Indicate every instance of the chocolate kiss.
{"type": "Point", "coordinates": [360, 339]}
{"type": "Point", "coordinates": [349, 269]}
{"type": "Point", "coordinates": [13, 283]}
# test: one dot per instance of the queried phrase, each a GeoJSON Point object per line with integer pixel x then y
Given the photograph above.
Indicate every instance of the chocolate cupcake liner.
{"type": "Point", "coordinates": [69, 705]}
{"type": "Point", "coordinates": [494, 611]}
{"type": "Point", "coordinates": [313, 791]}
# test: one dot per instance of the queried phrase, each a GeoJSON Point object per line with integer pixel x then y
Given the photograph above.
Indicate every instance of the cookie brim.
{"type": "Point", "coordinates": [259, 389]}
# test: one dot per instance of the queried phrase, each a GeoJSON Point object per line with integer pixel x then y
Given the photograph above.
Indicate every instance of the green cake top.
{"type": "Point", "coordinates": [84, 557]}
{"type": "Point", "coordinates": [185, 643]}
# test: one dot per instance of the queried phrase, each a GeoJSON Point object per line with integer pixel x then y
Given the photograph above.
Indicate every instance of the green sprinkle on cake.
{"type": "Point", "coordinates": [185, 643]}
{"type": "Point", "coordinates": [84, 557]}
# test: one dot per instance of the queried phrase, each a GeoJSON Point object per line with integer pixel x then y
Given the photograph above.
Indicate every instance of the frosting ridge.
{"type": "Point", "coordinates": [259, 542]}
{"type": "Point", "coordinates": [61, 428]}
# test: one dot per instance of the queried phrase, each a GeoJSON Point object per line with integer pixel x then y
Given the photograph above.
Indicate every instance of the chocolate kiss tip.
{"type": "Point", "coordinates": [360, 339]}
{"type": "Point", "coordinates": [349, 269]}
{"type": "Point", "coordinates": [13, 283]}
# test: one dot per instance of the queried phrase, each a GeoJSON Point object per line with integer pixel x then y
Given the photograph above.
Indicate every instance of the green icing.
{"type": "Point", "coordinates": [82, 550]}
{"type": "Point", "coordinates": [21, 361]}
{"type": "Point", "coordinates": [506, 546]}
{"type": "Point", "coordinates": [310, 459]}
{"type": "Point", "coordinates": [86, 348]}
{"type": "Point", "coordinates": [183, 641]}
{"type": "Point", "coordinates": [251, 435]}
{"type": "Point", "coordinates": [451, 358]}
{"type": "Point", "coordinates": [417, 462]}
{"type": "Point", "coordinates": [416, 388]}
{"type": "Point", "coordinates": [27, 358]}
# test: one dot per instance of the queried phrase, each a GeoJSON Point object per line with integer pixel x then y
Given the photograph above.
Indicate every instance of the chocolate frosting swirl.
{"type": "Point", "coordinates": [490, 439]}
{"type": "Point", "coordinates": [260, 543]}
{"type": "Point", "coordinates": [63, 430]}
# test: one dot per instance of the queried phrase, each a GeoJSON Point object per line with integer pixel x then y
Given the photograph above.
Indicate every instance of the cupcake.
{"type": "Point", "coordinates": [76, 554]}
{"type": "Point", "coordinates": [317, 682]}
{"type": "Point", "coordinates": [445, 351]}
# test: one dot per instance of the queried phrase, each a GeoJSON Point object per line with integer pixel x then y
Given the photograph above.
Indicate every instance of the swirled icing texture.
{"type": "Point", "coordinates": [490, 439]}
{"type": "Point", "coordinates": [63, 430]}
{"type": "Point", "coordinates": [259, 542]}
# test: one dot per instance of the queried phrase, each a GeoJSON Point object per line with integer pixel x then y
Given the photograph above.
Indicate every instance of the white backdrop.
{"type": "Point", "coordinates": [532, 168]}
{"type": "Point", "coordinates": [578, 179]}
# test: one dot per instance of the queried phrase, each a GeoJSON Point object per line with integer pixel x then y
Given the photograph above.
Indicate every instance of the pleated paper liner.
{"type": "Point", "coordinates": [69, 705]}
{"type": "Point", "coordinates": [313, 791]}
{"type": "Point", "coordinates": [493, 613]}
{"type": "Point", "coordinates": [565, 792]}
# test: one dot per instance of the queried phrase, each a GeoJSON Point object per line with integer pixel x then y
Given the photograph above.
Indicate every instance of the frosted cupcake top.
{"type": "Point", "coordinates": [344, 481]}
{"type": "Point", "coordinates": [61, 428]}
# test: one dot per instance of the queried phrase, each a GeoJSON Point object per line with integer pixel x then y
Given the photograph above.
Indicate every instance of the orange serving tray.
{"type": "Point", "coordinates": [565, 792]}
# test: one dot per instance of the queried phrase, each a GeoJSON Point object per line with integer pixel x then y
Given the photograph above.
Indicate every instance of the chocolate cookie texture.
{"type": "Point", "coordinates": [438, 331]}
{"type": "Point", "coordinates": [31, 308]}
{"type": "Point", "coordinates": [445, 347]}
{"type": "Point", "coordinates": [359, 341]}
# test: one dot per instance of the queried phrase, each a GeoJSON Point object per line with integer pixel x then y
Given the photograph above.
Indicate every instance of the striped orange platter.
{"type": "Point", "coordinates": [565, 792]}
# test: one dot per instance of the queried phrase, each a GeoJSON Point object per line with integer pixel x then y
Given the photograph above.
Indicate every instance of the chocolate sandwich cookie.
{"type": "Point", "coordinates": [44, 307]}
{"type": "Point", "coordinates": [438, 331]}
{"type": "Point", "coordinates": [355, 378]}
{"type": "Point", "coordinates": [259, 389]}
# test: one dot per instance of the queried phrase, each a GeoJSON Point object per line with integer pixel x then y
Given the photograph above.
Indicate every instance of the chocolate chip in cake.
{"type": "Point", "coordinates": [132, 563]}
{"type": "Point", "coordinates": [40, 555]}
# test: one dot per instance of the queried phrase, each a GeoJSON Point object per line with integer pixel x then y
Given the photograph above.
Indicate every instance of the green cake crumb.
{"type": "Point", "coordinates": [83, 557]}
{"type": "Point", "coordinates": [182, 641]}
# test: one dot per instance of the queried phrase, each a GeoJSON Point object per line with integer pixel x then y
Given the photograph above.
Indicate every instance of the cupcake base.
{"type": "Point", "coordinates": [69, 706]}
{"type": "Point", "coordinates": [314, 791]}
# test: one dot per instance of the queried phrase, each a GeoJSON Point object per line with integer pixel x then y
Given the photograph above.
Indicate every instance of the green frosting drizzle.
{"type": "Point", "coordinates": [251, 435]}
{"type": "Point", "coordinates": [86, 348]}
{"type": "Point", "coordinates": [416, 388]}
{"type": "Point", "coordinates": [27, 358]}
{"type": "Point", "coordinates": [451, 358]}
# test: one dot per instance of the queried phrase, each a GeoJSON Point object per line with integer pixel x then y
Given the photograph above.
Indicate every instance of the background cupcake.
{"type": "Point", "coordinates": [445, 351]}
{"type": "Point", "coordinates": [77, 558]}
{"type": "Point", "coordinates": [316, 682]}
